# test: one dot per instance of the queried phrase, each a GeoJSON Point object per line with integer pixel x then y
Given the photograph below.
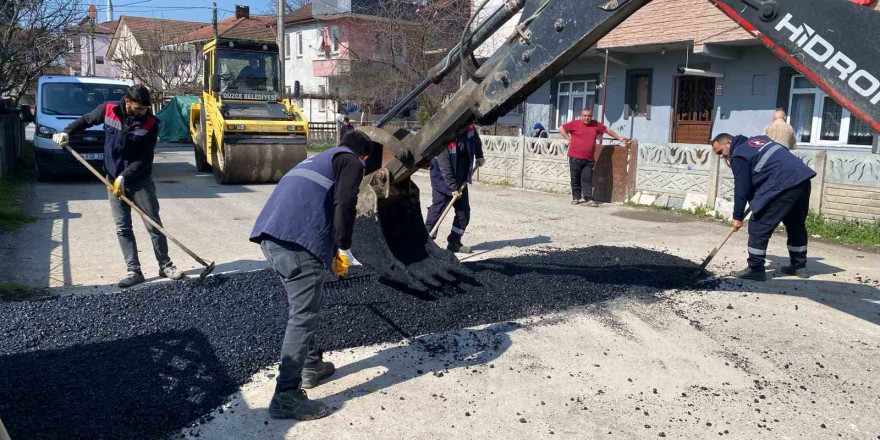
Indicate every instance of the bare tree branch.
{"type": "Point", "coordinates": [166, 67]}
{"type": "Point", "coordinates": [33, 35]}
{"type": "Point", "coordinates": [408, 40]}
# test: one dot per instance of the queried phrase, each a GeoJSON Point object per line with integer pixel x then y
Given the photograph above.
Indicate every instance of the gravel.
{"type": "Point", "coordinates": [148, 362]}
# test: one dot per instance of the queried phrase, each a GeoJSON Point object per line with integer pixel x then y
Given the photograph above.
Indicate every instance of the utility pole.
{"type": "Point", "coordinates": [93, 15]}
{"type": "Point", "coordinates": [281, 49]}
{"type": "Point", "coordinates": [214, 21]}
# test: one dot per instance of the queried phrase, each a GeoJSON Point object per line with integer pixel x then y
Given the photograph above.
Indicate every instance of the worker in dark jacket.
{"type": "Point", "coordinates": [304, 229]}
{"type": "Point", "coordinates": [776, 185]}
{"type": "Point", "coordinates": [451, 171]}
{"type": "Point", "coordinates": [130, 138]}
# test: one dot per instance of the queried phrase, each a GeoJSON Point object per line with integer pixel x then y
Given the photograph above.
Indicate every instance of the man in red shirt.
{"type": "Point", "coordinates": [582, 135]}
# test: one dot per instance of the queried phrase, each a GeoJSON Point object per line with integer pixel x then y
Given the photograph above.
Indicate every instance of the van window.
{"type": "Point", "coordinates": [75, 99]}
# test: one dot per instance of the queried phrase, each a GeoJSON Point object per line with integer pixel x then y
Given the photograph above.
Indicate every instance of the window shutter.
{"type": "Point", "coordinates": [785, 75]}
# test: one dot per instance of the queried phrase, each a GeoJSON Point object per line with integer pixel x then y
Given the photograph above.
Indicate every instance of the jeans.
{"type": "Point", "coordinates": [789, 207]}
{"type": "Point", "coordinates": [303, 278]}
{"type": "Point", "coordinates": [581, 178]}
{"type": "Point", "coordinates": [143, 194]}
{"type": "Point", "coordinates": [462, 209]}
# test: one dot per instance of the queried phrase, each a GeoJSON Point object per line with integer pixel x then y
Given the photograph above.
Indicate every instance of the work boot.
{"type": "Point", "coordinates": [171, 272]}
{"type": "Point", "coordinates": [750, 273]}
{"type": "Point", "coordinates": [800, 272]}
{"type": "Point", "coordinates": [131, 278]}
{"type": "Point", "coordinates": [459, 248]}
{"type": "Point", "coordinates": [295, 404]}
{"type": "Point", "coordinates": [312, 376]}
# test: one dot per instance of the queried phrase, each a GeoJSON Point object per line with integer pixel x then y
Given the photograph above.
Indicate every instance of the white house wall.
{"type": "Point", "coordinates": [102, 43]}
{"type": "Point", "coordinates": [300, 69]}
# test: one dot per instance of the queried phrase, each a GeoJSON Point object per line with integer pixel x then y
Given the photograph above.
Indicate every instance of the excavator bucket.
{"type": "Point", "coordinates": [390, 237]}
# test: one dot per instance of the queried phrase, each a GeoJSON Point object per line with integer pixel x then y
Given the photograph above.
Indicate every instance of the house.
{"type": "Point", "coordinates": [321, 43]}
{"type": "Point", "coordinates": [82, 53]}
{"type": "Point", "coordinates": [738, 85]}
{"type": "Point", "coordinates": [153, 51]}
{"type": "Point", "coordinates": [348, 54]}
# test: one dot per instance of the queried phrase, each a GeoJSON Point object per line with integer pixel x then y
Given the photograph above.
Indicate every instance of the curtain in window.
{"type": "Point", "coordinates": [832, 114]}
{"type": "Point", "coordinates": [859, 132]}
{"type": "Point", "coordinates": [802, 116]}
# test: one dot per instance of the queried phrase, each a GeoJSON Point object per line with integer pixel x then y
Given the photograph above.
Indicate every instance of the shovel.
{"type": "Point", "coordinates": [209, 267]}
{"type": "Point", "coordinates": [446, 210]}
{"type": "Point", "coordinates": [719, 246]}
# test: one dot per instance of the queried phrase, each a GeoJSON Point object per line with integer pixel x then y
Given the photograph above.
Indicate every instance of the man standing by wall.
{"type": "Point", "coordinates": [780, 131]}
{"type": "Point", "coordinates": [451, 171]}
{"type": "Point", "coordinates": [131, 134]}
{"type": "Point", "coordinates": [345, 127]}
{"type": "Point", "coordinates": [304, 229]}
{"type": "Point", "coordinates": [582, 135]}
{"type": "Point", "coordinates": [776, 185]}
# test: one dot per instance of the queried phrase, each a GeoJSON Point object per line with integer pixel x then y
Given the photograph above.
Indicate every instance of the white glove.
{"type": "Point", "coordinates": [61, 138]}
{"type": "Point", "coordinates": [352, 260]}
{"type": "Point", "coordinates": [480, 161]}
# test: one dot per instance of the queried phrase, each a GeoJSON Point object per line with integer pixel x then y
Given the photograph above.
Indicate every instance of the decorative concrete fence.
{"type": "Point", "coordinates": [846, 186]}
{"type": "Point", "coordinates": [541, 164]}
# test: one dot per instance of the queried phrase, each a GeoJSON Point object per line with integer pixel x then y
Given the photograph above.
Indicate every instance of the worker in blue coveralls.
{"type": "Point", "coordinates": [304, 229]}
{"type": "Point", "coordinates": [451, 171]}
{"type": "Point", "coordinates": [776, 185]}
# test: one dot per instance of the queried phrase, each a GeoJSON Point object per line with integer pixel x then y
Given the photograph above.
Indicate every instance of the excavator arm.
{"type": "Point", "coordinates": [832, 42]}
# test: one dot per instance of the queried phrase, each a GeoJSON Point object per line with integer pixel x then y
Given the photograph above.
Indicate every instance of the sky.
{"type": "Point", "coordinates": [187, 10]}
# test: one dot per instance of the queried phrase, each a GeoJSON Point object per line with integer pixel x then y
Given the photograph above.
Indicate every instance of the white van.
{"type": "Point", "coordinates": [61, 100]}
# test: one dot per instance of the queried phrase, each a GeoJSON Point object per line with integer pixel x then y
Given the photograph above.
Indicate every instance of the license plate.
{"type": "Point", "coordinates": [93, 156]}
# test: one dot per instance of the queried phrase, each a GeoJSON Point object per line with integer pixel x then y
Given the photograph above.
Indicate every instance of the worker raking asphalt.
{"type": "Point", "coordinates": [148, 362]}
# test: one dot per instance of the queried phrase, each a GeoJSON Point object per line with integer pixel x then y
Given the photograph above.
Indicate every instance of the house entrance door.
{"type": "Point", "coordinates": [692, 118]}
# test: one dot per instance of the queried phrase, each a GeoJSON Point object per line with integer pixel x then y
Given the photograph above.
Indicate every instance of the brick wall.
{"type": "Point", "coordinates": [851, 202]}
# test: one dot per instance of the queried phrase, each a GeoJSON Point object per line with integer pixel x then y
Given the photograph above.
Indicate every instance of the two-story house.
{"type": "Point", "coordinates": [88, 47]}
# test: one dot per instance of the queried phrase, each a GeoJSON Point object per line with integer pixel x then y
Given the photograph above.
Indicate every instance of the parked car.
{"type": "Point", "coordinates": [60, 100]}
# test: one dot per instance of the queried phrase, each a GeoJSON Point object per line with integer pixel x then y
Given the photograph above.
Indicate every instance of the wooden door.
{"type": "Point", "coordinates": [692, 118]}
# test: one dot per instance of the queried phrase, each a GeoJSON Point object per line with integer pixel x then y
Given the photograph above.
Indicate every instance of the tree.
{"type": "Point", "coordinates": [32, 37]}
{"type": "Point", "coordinates": [398, 44]}
{"type": "Point", "coordinates": [159, 60]}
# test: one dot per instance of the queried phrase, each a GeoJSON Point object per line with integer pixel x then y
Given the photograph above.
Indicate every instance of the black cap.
{"type": "Point", "coordinates": [358, 142]}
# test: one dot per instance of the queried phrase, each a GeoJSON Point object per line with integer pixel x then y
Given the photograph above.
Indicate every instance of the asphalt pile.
{"type": "Point", "coordinates": [148, 362]}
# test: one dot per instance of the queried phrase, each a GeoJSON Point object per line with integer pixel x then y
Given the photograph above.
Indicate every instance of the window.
{"type": "Point", "coordinates": [299, 44]}
{"type": "Point", "coordinates": [334, 39]}
{"type": "Point", "coordinates": [818, 119]}
{"type": "Point", "coordinates": [99, 60]}
{"type": "Point", "coordinates": [322, 91]}
{"type": "Point", "coordinates": [638, 93]}
{"type": "Point", "coordinates": [573, 97]}
{"type": "Point", "coordinates": [286, 46]}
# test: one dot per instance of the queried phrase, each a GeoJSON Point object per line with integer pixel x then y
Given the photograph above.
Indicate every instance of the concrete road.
{"type": "Point", "coordinates": [788, 358]}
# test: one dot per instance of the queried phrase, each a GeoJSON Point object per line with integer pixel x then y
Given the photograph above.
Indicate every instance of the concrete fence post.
{"type": "Point", "coordinates": [522, 163]}
{"type": "Point", "coordinates": [714, 180]}
{"type": "Point", "coordinates": [818, 187]}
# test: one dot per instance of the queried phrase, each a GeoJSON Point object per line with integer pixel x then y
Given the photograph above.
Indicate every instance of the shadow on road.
{"type": "Point", "coordinates": [515, 242]}
{"type": "Point", "coordinates": [434, 354]}
{"type": "Point", "coordinates": [128, 388]}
